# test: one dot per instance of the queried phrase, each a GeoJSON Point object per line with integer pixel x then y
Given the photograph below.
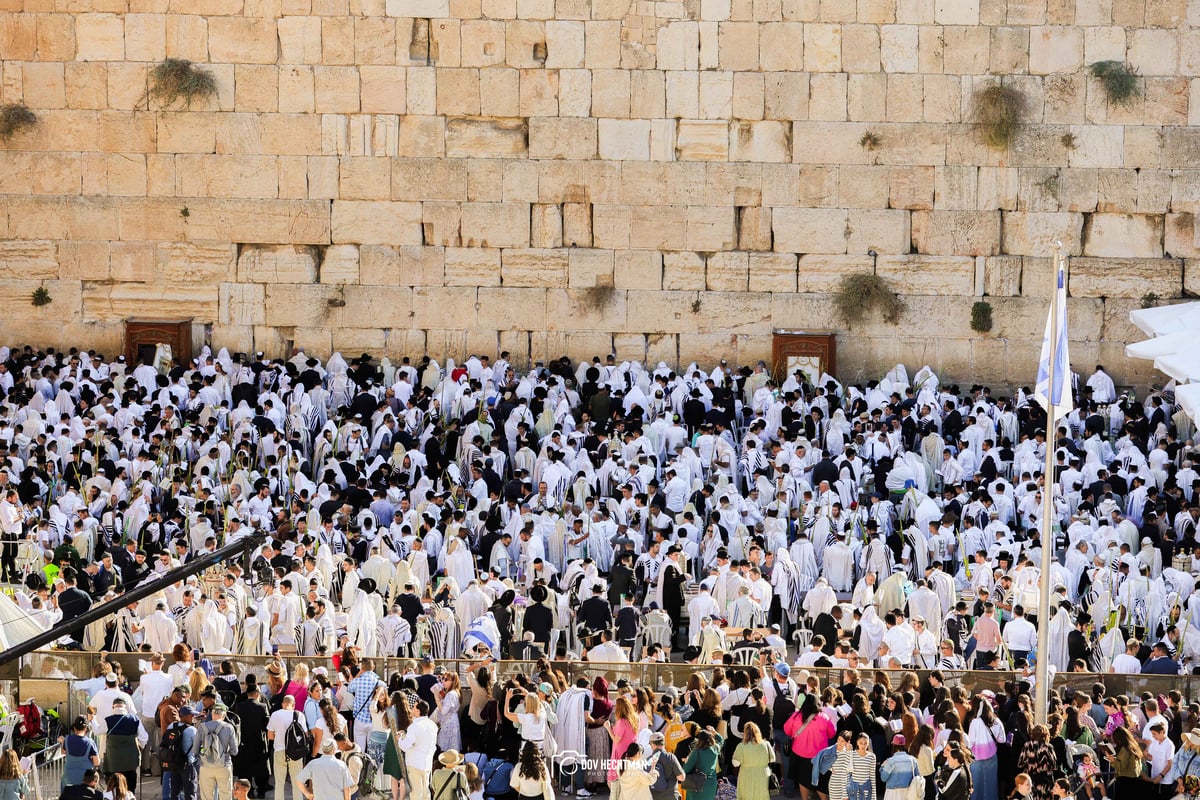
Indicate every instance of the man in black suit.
{"type": "Point", "coordinates": [673, 578]}
{"type": "Point", "coordinates": [595, 613]}
{"type": "Point", "coordinates": [73, 602]}
{"type": "Point", "coordinates": [251, 760]}
{"type": "Point", "coordinates": [1078, 646]}
{"type": "Point", "coordinates": [621, 580]}
{"type": "Point", "coordinates": [829, 625]}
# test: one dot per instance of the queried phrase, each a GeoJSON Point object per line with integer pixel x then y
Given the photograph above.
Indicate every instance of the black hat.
{"type": "Point", "coordinates": [538, 594]}
{"type": "Point", "coordinates": [367, 585]}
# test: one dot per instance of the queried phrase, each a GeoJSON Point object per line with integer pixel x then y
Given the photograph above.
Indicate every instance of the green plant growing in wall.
{"type": "Point", "coordinates": [981, 316]}
{"type": "Point", "coordinates": [1120, 81]}
{"type": "Point", "coordinates": [178, 80]}
{"type": "Point", "coordinates": [15, 118]}
{"type": "Point", "coordinates": [1150, 300]}
{"type": "Point", "coordinates": [859, 294]}
{"type": "Point", "coordinates": [870, 141]}
{"type": "Point", "coordinates": [1069, 141]}
{"type": "Point", "coordinates": [41, 297]}
{"type": "Point", "coordinates": [998, 111]}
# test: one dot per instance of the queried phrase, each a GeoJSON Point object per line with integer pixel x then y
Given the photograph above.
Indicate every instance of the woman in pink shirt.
{"type": "Point", "coordinates": [810, 731]}
{"type": "Point", "coordinates": [623, 733]}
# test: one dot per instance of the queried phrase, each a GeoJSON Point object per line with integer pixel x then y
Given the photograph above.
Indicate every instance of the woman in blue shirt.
{"type": "Point", "coordinates": [899, 771]}
{"type": "Point", "coordinates": [81, 753]}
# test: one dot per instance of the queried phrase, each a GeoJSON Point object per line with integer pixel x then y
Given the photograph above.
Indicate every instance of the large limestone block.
{"type": "Point", "coordinates": [441, 223]}
{"type": "Point", "coordinates": [754, 228]}
{"type": "Point", "coordinates": [512, 309]}
{"type": "Point", "coordinates": [911, 187]}
{"type": "Point", "coordinates": [242, 304]}
{"type": "Point", "coordinates": [577, 224]}
{"type": "Point", "coordinates": [429, 179]}
{"type": "Point", "coordinates": [734, 312]}
{"type": "Point", "coordinates": [243, 40]}
{"type": "Point", "coordinates": [710, 228]}
{"type": "Point", "coordinates": [21, 260]}
{"type": "Point", "coordinates": [1180, 237]}
{"type": "Point", "coordinates": [823, 273]}
{"type": "Point", "coordinates": [64, 307]}
{"type": "Point", "coordinates": [624, 139]}
{"type": "Point", "coordinates": [658, 227]}
{"type": "Point", "coordinates": [638, 269]}
{"type": "Point", "coordinates": [533, 267]}
{"type": "Point", "coordinates": [810, 230]}
{"type": "Point", "coordinates": [702, 140]}
{"type": "Point", "coordinates": [100, 37]}
{"type": "Point", "coordinates": [683, 271]}
{"type": "Point", "coordinates": [251, 221]}
{"type": "Point", "coordinates": [132, 261]}
{"type": "Point", "coordinates": [486, 138]}
{"type": "Point", "coordinates": [418, 9]}
{"type": "Point", "coordinates": [1124, 236]}
{"type": "Point", "coordinates": [340, 264]}
{"type": "Point", "coordinates": [104, 302]}
{"type": "Point", "coordinates": [195, 262]}
{"type": "Point", "coordinates": [772, 272]}
{"type": "Point", "coordinates": [562, 138]}
{"type": "Point", "coordinates": [728, 272]}
{"type": "Point", "coordinates": [595, 309]}
{"type": "Point", "coordinates": [371, 306]}
{"type": "Point", "coordinates": [760, 142]}
{"type": "Point", "coordinates": [1055, 49]}
{"type": "Point", "coordinates": [314, 305]}
{"type": "Point", "coordinates": [277, 264]}
{"type": "Point", "coordinates": [1002, 276]}
{"type": "Point", "coordinates": [472, 266]}
{"type": "Point", "coordinates": [547, 225]}
{"type": "Point", "coordinates": [663, 311]}
{"type": "Point", "coordinates": [881, 230]}
{"type": "Point", "coordinates": [376, 222]}
{"type": "Point", "coordinates": [495, 224]}
{"type": "Point", "coordinates": [967, 233]}
{"type": "Point", "coordinates": [935, 275]}
{"type": "Point", "coordinates": [589, 269]}
{"type": "Point", "coordinates": [1034, 233]}
{"type": "Point", "coordinates": [1125, 277]}
{"type": "Point", "coordinates": [409, 265]}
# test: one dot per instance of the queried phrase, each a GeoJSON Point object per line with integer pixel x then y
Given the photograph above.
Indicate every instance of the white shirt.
{"type": "Point", "coordinates": [1019, 634]}
{"type": "Point", "coordinates": [1125, 664]}
{"type": "Point", "coordinates": [102, 701]}
{"type": "Point", "coordinates": [418, 744]}
{"type": "Point", "coordinates": [155, 685]}
{"type": "Point", "coordinates": [280, 721]}
{"type": "Point", "coordinates": [1161, 754]}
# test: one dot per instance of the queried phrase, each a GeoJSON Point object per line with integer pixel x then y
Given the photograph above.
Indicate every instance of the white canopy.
{"type": "Point", "coordinates": [1188, 398]}
{"type": "Point", "coordinates": [1163, 345]}
{"type": "Point", "coordinates": [16, 626]}
{"type": "Point", "coordinates": [1183, 366]}
{"type": "Point", "coordinates": [1167, 319]}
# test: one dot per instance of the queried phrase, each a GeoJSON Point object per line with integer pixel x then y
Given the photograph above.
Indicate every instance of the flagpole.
{"type": "Point", "coordinates": [1042, 667]}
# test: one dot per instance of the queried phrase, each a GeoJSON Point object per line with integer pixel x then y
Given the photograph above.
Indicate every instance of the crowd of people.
{"type": "Point", "coordinates": [603, 511]}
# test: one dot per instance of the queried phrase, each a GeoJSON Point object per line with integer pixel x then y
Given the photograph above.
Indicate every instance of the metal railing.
{"type": "Point", "coordinates": [661, 675]}
{"type": "Point", "coordinates": [45, 776]}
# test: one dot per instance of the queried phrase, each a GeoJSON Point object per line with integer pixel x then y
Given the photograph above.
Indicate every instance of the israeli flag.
{"type": "Point", "coordinates": [1060, 392]}
{"type": "Point", "coordinates": [482, 631]}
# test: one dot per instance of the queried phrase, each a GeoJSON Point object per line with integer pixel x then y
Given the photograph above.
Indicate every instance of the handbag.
{"type": "Point", "coordinates": [695, 781]}
{"type": "Point", "coordinates": [916, 788]}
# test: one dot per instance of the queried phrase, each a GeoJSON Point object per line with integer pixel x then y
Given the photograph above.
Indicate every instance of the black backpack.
{"type": "Point", "coordinates": [783, 707]}
{"type": "Point", "coordinates": [170, 750]}
{"type": "Point", "coordinates": [296, 744]}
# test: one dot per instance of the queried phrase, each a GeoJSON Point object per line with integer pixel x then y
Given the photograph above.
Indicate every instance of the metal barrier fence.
{"type": "Point", "coordinates": [45, 777]}
{"type": "Point", "coordinates": [657, 676]}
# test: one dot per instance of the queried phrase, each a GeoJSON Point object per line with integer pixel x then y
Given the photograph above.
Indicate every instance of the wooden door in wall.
{"type": "Point", "coordinates": [145, 337]}
{"type": "Point", "coordinates": [811, 352]}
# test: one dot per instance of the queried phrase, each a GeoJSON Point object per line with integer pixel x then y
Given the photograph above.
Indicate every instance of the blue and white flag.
{"type": "Point", "coordinates": [1061, 391]}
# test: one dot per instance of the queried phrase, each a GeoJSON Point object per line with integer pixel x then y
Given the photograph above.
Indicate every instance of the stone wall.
{"type": "Point", "coordinates": [664, 180]}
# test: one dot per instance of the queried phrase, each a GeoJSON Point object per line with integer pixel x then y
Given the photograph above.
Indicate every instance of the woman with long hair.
{"type": "Point", "coordinates": [921, 749]}
{"type": "Point", "coordinates": [634, 778]}
{"type": "Point", "coordinates": [445, 714]}
{"type": "Point", "coordinates": [1073, 729]}
{"type": "Point", "coordinates": [1022, 787]}
{"type": "Point", "coordinates": [899, 771]}
{"type": "Point", "coordinates": [1127, 761]}
{"type": "Point", "coordinates": [810, 731]}
{"type": "Point", "coordinates": [328, 725]}
{"type": "Point", "coordinates": [1037, 758]}
{"type": "Point", "coordinates": [599, 744]}
{"type": "Point", "coordinates": [953, 781]}
{"type": "Point", "coordinates": [531, 719]}
{"type": "Point", "coordinates": [753, 759]}
{"type": "Point", "coordinates": [297, 687]}
{"type": "Point", "coordinates": [623, 731]}
{"type": "Point", "coordinates": [13, 785]}
{"type": "Point", "coordinates": [900, 709]}
{"type": "Point", "coordinates": [684, 748]}
{"type": "Point", "coordinates": [116, 788]}
{"type": "Point", "coordinates": [479, 681]}
{"type": "Point", "coordinates": [702, 760]}
{"type": "Point", "coordinates": [399, 717]}
{"type": "Point", "coordinates": [984, 736]}
{"type": "Point", "coordinates": [531, 779]}
{"type": "Point", "coordinates": [709, 711]}
{"type": "Point", "coordinates": [860, 783]}
{"type": "Point", "coordinates": [181, 664]}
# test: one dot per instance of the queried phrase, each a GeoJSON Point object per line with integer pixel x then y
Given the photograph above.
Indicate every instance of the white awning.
{"type": "Point", "coordinates": [1167, 319]}
{"type": "Point", "coordinates": [1164, 345]}
{"type": "Point", "coordinates": [1183, 367]}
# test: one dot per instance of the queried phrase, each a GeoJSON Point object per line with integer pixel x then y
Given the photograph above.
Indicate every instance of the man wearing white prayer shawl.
{"type": "Point", "coordinates": [160, 630]}
{"type": "Point", "coordinates": [923, 602]}
{"type": "Point", "coordinates": [470, 605]}
{"type": "Point", "coordinates": [570, 731]}
{"type": "Point", "coordinates": [702, 605]}
{"type": "Point", "coordinates": [394, 633]}
{"type": "Point", "coordinates": [891, 592]}
{"type": "Point", "coordinates": [745, 612]}
{"type": "Point", "coordinates": [839, 565]}
{"type": "Point", "coordinates": [1061, 626]}
{"type": "Point", "coordinates": [709, 640]}
{"type": "Point", "coordinates": [460, 562]}
{"type": "Point", "coordinates": [819, 600]}
{"type": "Point", "coordinates": [864, 591]}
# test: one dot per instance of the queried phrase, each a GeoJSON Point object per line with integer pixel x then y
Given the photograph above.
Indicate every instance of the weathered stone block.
{"type": "Point", "coordinates": [823, 273]}
{"type": "Point", "coordinates": [1034, 234]}
{"type": "Point", "coordinates": [974, 233]}
{"type": "Point", "coordinates": [728, 272]}
{"type": "Point", "coordinates": [1125, 277]}
{"type": "Point", "coordinates": [375, 222]}
{"type": "Point", "coordinates": [760, 142]}
{"type": "Point", "coordinates": [624, 140]}
{"type": "Point", "coordinates": [495, 224]}
{"type": "Point", "coordinates": [1180, 236]}
{"type": "Point", "coordinates": [702, 140]}
{"type": "Point", "coordinates": [533, 268]}
{"type": "Point", "coordinates": [277, 264]}
{"type": "Point", "coordinates": [100, 37]}
{"type": "Point", "coordinates": [710, 228]}
{"type": "Point", "coordinates": [340, 264]}
{"type": "Point", "coordinates": [563, 138]}
{"type": "Point", "coordinates": [472, 267]}
{"type": "Point", "coordinates": [589, 269]}
{"type": "Point", "coordinates": [487, 138]}
{"type": "Point", "coordinates": [577, 224]}
{"type": "Point", "coordinates": [809, 230]}
{"type": "Point", "coordinates": [1002, 276]}
{"type": "Point", "coordinates": [772, 272]}
{"type": "Point", "coordinates": [194, 262]}
{"type": "Point", "coordinates": [683, 271]}
{"type": "Point", "coordinates": [104, 302]}
{"type": "Point", "coordinates": [934, 275]}
{"type": "Point", "coordinates": [1123, 236]}
{"type": "Point", "coordinates": [27, 260]}
{"type": "Point", "coordinates": [638, 269]}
